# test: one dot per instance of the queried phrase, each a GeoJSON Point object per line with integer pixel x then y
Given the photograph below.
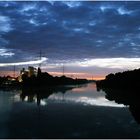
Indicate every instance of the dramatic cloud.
{"type": "Point", "coordinates": [5, 25]}
{"type": "Point", "coordinates": [119, 63]}
{"type": "Point", "coordinates": [92, 34]}
{"type": "Point", "coordinates": [6, 53]}
{"type": "Point", "coordinates": [24, 63]}
{"type": "Point", "coordinates": [112, 63]}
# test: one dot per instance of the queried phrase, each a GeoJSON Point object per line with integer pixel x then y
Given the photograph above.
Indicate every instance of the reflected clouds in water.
{"type": "Point", "coordinates": [86, 95]}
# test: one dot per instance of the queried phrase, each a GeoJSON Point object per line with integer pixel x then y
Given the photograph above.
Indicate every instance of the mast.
{"type": "Point", "coordinates": [40, 56]}
{"type": "Point", "coordinates": [63, 69]}
{"type": "Point", "coordinates": [14, 71]}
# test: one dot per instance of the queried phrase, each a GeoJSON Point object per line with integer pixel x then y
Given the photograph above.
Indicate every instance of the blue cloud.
{"type": "Point", "coordinates": [69, 30]}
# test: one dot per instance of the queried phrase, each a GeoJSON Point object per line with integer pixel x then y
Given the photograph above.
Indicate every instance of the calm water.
{"type": "Point", "coordinates": [79, 112]}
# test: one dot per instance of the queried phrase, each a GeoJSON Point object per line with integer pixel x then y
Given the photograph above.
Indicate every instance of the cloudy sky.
{"type": "Point", "coordinates": [90, 38]}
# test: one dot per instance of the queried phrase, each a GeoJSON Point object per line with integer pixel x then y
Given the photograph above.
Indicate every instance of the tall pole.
{"type": "Point", "coordinates": [14, 71]}
{"type": "Point", "coordinates": [40, 55]}
{"type": "Point", "coordinates": [63, 69]}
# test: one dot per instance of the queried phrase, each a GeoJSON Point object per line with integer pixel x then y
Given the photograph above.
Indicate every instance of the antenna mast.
{"type": "Point", "coordinates": [63, 70]}
{"type": "Point", "coordinates": [40, 56]}
{"type": "Point", "coordinates": [14, 71]}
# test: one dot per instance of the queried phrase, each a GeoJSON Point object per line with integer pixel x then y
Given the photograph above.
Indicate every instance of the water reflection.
{"type": "Point", "coordinates": [130, 98]}
{"type": "Point", "coordinates": [85, 94]}
{"type": "Point", "coordinates": [64, 112]}
{"type": "Point", "coordinates": [38, 94]}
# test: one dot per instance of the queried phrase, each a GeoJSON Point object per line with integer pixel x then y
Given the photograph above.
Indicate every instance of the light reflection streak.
{"type": "Point", "coordinates": [90, 101]}
{"type": "Point", "coordinates": [98, 102]}
{"type": "Point", "coordinates": [86, 95]}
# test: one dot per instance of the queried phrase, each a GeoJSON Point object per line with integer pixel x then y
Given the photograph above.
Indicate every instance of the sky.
{"type": "Point", "coordinates": [91, 39]}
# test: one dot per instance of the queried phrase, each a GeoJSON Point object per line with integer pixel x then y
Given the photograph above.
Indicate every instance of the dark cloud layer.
{"type": "Point", "coordinates": [69, 31]}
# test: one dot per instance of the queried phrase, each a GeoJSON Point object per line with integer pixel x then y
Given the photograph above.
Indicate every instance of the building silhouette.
{"type": "Point", "coordinates": [28, 73]}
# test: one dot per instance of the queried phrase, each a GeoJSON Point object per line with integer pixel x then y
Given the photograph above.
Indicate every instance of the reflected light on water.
{"type": "Point", "coordinates": [16, 97]}
{"type": "Point", "coordinates": [84, 94]}
{"type": "Point", "coordinates": [26, 98]}
{"type": "Point", "coordinates": [98, 102]}
{"type": "Point", "coordinates": [101, 101]}
{"type": "Point", "coordinates": [43, 103]}
{"type": "Point", "coordinates": [85, 97]}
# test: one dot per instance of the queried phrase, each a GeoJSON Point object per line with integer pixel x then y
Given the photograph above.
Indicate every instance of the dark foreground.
{"type": "Point", "coordinates": [71, 121]}
{"type": "Point", "coordinates": [80, 112]}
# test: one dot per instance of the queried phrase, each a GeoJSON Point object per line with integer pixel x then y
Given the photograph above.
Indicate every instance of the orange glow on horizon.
{"type": "Point", "coordinates": [68, 74]}
{"type": "Point", "coordinates": [96, 78]}
{"type": "Point", "coordinates": [79, 75]}
{"type": "Point", "coordinates": [88, 87]}
{"type": "Point", "coordinates": [9, 73]}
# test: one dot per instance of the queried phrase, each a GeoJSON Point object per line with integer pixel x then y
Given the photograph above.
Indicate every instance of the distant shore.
{"type": "Point", "coordinates": [38, 80]}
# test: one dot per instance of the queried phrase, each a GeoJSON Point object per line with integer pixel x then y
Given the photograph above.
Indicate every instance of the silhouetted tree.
{"type": "Point", "coordinates": [121, 80]}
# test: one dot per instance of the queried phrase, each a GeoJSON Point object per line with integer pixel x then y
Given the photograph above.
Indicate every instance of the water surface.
{"type": "Point", "coordinates": [76, 112]}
